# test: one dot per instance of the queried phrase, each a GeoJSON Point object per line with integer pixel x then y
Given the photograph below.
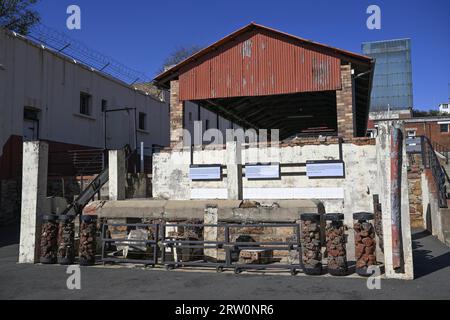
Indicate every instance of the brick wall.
{"type": "Point", "coordinates": [344, 104]}
{"type": "Point", "coordinates": [431, 129]}
{"type": "Point", "coordinates": [176, 114]}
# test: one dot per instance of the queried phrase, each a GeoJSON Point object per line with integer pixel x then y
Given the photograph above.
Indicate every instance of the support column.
{"type": "Point", "coordinates": [394, 198]}
{"type": "Point", "coordinates": [34, 192]}
{"type": "Point", "coordinates": [345, 104]}
{"type": "Point", "coordinates": [176, 115]}
{"type": "Point", "coordinates": [210, 233]}
{"type": "Point", "coordinates": [117, 174]}
{"type": "Point", "coordinates": [234, 170]}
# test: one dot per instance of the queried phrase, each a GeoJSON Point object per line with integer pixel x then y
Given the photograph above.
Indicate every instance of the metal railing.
{"type": "Point", "coordinates": [88, 161]}
{"type": "Point", "coordinates": [431, 161]}
{"type": "Point", "coordinates": [443, 150]}
{"type": "Point", "coordinates": [173, 251]}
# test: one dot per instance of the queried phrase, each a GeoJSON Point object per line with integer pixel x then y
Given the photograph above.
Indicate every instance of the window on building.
{"type": "Point", "coordinates": [444, 127]}
{"type": "Point", "coordinates": [190, 116]}
{"type": "Point", "coordinates": [206, 124]}
{"type": "Point", "coordinates": [142, 121]}
{"type": "Point", "coordinates": [85, 103]}
{"type": "Point", "coordinates": [104, 105]}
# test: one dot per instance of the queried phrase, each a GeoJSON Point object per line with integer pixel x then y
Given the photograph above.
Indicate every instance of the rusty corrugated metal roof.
{"type": "Point", "coordinates": [259, 63]}
{"type": "Point", "coordinates": [253, 28]}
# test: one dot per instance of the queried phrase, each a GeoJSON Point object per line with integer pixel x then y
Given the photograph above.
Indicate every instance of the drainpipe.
{"type": "Point", "coordinates": [396, 176]}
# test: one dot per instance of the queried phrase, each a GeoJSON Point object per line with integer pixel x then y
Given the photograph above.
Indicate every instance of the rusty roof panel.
{"type": "Point", "coordinates": [259, 63]}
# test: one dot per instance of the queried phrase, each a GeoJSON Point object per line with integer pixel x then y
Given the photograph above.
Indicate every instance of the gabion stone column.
{"type": "Point", "coordinates": [311, 246]}
{"type": "Point", "coordinates": [88, 233]}
{"type": "Point", "coordinates": [365, 243]}
{"type": "Point", "coordinates": [337, 253]}
{"type": "Point", "coordinates": [66, 240]}
{"type": "Point", "coordinates": [48, 239]}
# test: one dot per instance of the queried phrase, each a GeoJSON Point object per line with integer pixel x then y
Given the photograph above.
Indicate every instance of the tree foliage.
{"type": "Point", "coordinates": [178, 55]}
{"type": "Point", "coordinates": [18, 15]}
{"type": "Point", "coordinates": [429, 113]}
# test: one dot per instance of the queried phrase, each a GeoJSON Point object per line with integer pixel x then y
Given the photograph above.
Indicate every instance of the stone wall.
{"type": "Point", "coordinates": [415, 192]}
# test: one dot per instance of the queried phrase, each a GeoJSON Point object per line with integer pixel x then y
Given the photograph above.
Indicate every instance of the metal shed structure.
{"type": "Point", "coordinates": [262, 78]}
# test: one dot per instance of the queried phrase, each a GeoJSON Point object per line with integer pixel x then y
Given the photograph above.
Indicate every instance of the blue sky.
{"type": "Point", "coordinates": [142, 33]}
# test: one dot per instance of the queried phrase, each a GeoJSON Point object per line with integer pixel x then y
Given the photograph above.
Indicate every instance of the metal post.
{"type": "Point", "coordinates": [396, 167]}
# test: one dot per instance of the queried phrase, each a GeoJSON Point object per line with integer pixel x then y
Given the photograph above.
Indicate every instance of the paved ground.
{"type": "Point", "coordinates": [432, 267]}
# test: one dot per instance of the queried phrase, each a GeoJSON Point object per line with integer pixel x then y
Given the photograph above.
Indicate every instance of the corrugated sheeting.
{"type": "Point", "coordinates": [259, 63]}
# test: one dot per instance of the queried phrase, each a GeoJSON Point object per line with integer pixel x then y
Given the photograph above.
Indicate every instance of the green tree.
{"type": "Point", "coordinates": [178, 55]}
{"type": "Point", "coordinates": [18, 15]}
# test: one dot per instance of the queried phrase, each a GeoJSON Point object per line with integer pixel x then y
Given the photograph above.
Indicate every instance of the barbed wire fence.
{"type": "Point", "coordinates": [81, 53]}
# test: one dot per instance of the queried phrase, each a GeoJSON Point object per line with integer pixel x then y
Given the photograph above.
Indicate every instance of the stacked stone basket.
{"type": "Point", "coordinates": [311, 244]}
{"type": "Point", "coordinates": [48, 244]}
{"type": "Point", "coordinates": [66, 240]}
{"type": "Point", "coordinates": [88, 234]}
{"type": "Point", "coordinates": [365, 243]}
{"type": "Point", "coordinates": [336, 249]}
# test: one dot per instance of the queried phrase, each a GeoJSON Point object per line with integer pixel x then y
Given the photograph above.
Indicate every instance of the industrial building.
{"type": "Point", "coordinates": [262, 78]}
{"type": "Point", "coordinates": [256, 204]}
{"type": "Point", "coordinates": [79, 110]}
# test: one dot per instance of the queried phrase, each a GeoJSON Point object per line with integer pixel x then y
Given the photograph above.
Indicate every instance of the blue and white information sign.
{"type": "Point", "coordinates": [262, 171]}
{"type": "Point", "coordinates": [325, 169]}
{"type": "Point", "coordinates": [209, 172]}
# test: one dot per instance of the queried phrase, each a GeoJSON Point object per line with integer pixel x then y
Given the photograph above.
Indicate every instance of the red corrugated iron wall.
{"type": "Point", "coordinates": [256, 64]}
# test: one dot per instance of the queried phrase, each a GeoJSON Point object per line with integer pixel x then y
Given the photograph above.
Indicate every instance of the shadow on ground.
{"type": "Point", "coordinates": [426, 261]}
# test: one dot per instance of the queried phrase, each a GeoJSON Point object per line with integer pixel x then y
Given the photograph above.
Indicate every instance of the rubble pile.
{"type": "Point", "coordinates": [255, 256]}
{"type": "Point", "coordinates": [365, 243]}
{"type": "Point", "coordinates": [311, 246]}
{"type": "Point", "coordinates": [48, 239]}
{"type": "Point", "coordinates": [336, 250]}
{"type": "Point", "coordinates": [88, 233]}
{"type": "Point", "coordinates": [66, 240]}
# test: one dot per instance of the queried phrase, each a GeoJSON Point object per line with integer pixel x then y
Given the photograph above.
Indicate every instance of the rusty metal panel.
{"type": "Point", "coordinates": [259, 63]}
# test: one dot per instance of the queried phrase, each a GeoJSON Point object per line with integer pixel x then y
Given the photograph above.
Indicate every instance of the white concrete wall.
{"type": "Point", "coordinates": [350, 194]}
{"type": "Point", "coordinates": [37, 78]}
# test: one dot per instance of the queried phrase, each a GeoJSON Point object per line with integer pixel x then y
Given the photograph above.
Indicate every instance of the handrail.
{"type": "Point", "coordinates": [431, 161]}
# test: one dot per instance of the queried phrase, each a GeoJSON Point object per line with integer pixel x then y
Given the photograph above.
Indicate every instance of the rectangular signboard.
{"type": "Point", "coordinates": [325, 169]}
{"type": "Point", "coordinates": [413, 145]}
{"type": "Point", "coordinates": [262, 171]}
{"type": "Point", "coordinates": [205, 172]}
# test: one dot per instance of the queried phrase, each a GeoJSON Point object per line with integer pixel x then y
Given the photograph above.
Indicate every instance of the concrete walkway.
{"type": "Point", "coordinates": [432, 266]}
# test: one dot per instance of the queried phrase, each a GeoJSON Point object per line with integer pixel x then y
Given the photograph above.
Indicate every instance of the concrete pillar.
{"type": "Point", "coordinates": [384, 154]}
{"type": "Point", "coordinates": [210, 233]}
{"type": "Point", "coordinates": [34, 191]}
{"type": "Point", "coordinates": [345, 104]}
{"type": "Point", "coordinates": [234, 170]}
{"type": "Point", "coordinates": [117, 174]}
{"type": "Point", "coordinates": [176, 115]}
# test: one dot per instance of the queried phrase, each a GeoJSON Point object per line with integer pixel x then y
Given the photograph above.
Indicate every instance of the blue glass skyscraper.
{"type": "Point", "coordinates": [392, 82]}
